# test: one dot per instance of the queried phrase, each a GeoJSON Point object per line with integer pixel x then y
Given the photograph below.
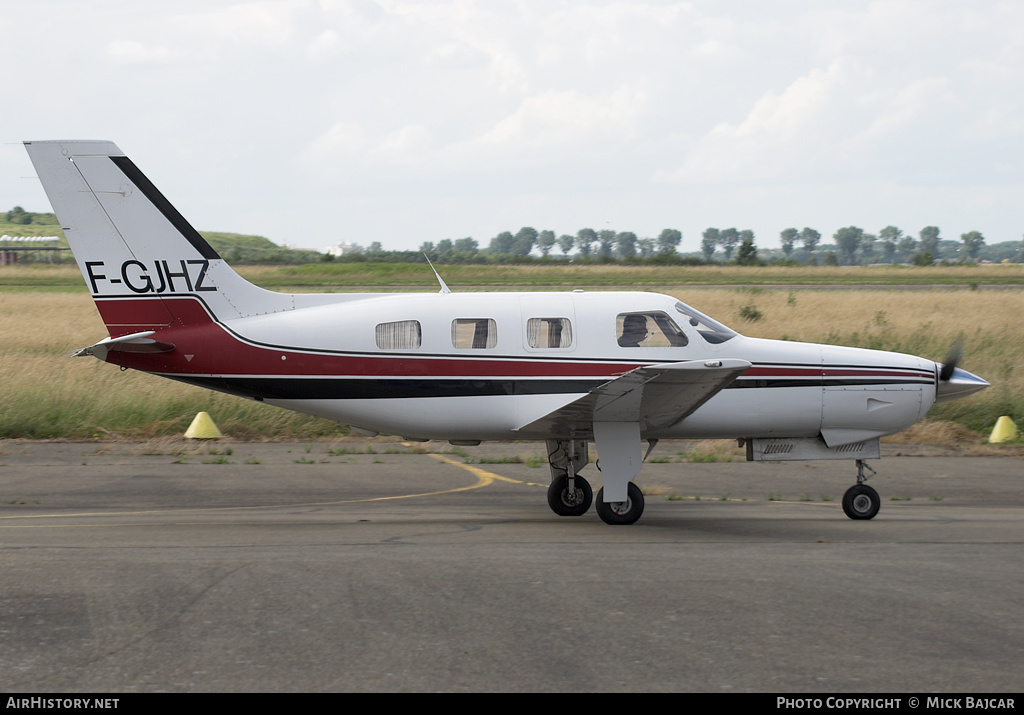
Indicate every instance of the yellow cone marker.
{"type": "Point", "coordinates": [1004, 431]}
{"type": "Point", "coordinates": [202, 427]}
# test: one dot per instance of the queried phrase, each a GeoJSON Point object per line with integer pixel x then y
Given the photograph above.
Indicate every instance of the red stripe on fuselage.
{"type": "Point", "coordinates": [814, 371]}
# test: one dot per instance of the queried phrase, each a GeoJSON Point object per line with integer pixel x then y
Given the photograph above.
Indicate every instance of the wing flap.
{"type": "Point", "coordinates": [653, 396]}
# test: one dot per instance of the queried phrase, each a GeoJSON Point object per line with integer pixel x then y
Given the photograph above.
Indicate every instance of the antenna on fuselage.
{"type": "Point", "coordinates": [444, 286]}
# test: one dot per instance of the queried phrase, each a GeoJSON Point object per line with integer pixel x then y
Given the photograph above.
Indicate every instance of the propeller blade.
{"type": "Point", "coordinates": [956, 354]}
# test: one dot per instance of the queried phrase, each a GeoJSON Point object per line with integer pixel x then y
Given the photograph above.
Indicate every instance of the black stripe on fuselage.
{"type": "Point", "coordinates": [164, 206]}
{"type": "Point", "coordinates": [345, 388]}
{"type": "Point", "coordinates": [827, 382]}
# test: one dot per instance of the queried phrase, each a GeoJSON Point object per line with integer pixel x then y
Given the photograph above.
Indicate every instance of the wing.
{"type": "Point", "coordinates": [653, 396]}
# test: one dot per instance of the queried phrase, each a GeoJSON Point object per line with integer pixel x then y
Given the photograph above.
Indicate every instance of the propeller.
{"type": "Point", "coordinates": [955, 382]}
{"type": "Point", "coordinates": [955, 355]}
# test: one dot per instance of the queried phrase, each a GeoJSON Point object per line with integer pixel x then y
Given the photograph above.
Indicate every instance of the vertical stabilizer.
{"type": "Point", "coordinates": [146, 267]}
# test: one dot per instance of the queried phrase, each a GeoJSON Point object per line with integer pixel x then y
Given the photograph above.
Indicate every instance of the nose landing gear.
{"type": "Point", "coordinates": [861, 501]}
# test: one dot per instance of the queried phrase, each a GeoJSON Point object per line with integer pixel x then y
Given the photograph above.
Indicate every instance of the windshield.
{"type": "Point", "coordinates": [710, 330]}
{"type": "Point", "coordinates": [648, 330]}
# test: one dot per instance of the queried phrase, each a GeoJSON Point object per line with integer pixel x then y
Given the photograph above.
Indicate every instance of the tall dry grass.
{"type": "Point", "coordinates": [46, 394]}
{"type": "Point", "coordinates": [919, 322]}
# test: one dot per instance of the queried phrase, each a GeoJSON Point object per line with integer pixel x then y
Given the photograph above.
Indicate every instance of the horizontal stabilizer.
{"type": "Point", "coordinates": [654, 396]}
{"type": "Point", "coordinates": [134, 343]}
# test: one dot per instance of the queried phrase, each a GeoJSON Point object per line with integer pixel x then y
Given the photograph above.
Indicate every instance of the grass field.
{"type": "Point", "coordinates": [46, 394]}
{"type": "Point", "coordinates": [45, 314]}
{"type": "Point", "coordinates": [919, 322]}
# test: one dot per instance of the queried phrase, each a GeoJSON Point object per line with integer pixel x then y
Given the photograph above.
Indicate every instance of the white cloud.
{"type": "Point", "coordinates": [567, 118]}
{"type": "Point", "coordinates": [455, 54]}
{"type": "Point", "coordinates": [343, 138]}
{"type": "Point", "coordinates": [780, 134]}
{"type": "Point", "coordinates": [406, 144]}
{"type": "Point", "coordinates": [351, 142]}
{"type": "Point", "coordinates": [899, 111]}
{"type": "Point", "coordinates": [134, 52]}
{"type": "Point", "coordinates": [270, 23]}
{"type": "Point", "coordinates": [326, 46]}
{"type": "Point", "coordinates": [731, 108]}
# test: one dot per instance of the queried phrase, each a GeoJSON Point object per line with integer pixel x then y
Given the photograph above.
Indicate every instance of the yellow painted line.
{"type": "Point", "coordinates": [484, 478]}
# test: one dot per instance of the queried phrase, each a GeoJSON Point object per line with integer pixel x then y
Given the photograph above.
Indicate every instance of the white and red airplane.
{"type": "Point", "coordinates": [615, 368]}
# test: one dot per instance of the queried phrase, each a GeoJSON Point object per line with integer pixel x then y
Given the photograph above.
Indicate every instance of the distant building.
{"type": "Point", "coordinates": [344, 248]}
{"type": "Point", "coordinates": [10, 254]}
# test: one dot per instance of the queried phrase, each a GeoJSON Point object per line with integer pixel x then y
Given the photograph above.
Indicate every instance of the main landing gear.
{"type": "Point", "coordinates": [566, 500]}
{"type": "Point", "coordinates": [571, 495]}
{"type": "Point", "coordinates": [861, 501]}
{"type": "Point", "coordinates": [621, 512]}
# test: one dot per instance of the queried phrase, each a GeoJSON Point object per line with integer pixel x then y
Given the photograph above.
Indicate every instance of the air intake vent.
{"type": "Point", "coordinates": [782, 450]}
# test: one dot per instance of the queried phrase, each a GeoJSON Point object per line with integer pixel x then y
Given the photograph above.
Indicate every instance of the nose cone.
{"type": "Point", "coordinates": [960, 384]}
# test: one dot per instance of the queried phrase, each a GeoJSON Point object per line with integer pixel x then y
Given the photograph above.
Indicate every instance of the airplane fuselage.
{"type": "Point", "coordinates": [337, 361]}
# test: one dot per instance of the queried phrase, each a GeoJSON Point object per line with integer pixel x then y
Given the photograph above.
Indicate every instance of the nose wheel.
{"type": "Point", "coordinates": [861, 501]}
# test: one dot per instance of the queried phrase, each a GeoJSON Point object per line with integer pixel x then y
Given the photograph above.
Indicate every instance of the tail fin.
{"type": "Point", "coordinates": [145, 266]}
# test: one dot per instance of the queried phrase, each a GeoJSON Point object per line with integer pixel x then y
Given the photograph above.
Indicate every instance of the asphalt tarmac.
{"type": "Point", "coordinates": [241, 567]}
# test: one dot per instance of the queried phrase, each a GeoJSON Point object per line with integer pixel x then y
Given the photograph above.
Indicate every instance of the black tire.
{"type": "Point", "coordinates": [861, 502]}
{"type": "Point", "coordinates": [626, 512]}
{"type": "Point", "coordinates": [564, 503]}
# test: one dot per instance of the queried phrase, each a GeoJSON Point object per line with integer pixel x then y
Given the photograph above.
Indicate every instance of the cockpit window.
{"type": "Point", "coordinates": [648, 330]}
{"type": "Point", "coordinates": [711, 330]}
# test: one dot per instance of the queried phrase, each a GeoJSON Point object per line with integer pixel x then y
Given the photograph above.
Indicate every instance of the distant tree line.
{"type": "Point", "coordinates": [586, 244]}
{"type": "Point", "coordinates": [20, 217]}
{"type": "Point", "coordinates": [852, 246]}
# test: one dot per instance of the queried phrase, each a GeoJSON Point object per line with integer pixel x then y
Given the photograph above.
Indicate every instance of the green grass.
{"type": "Point", "coordinates": [330, 277]}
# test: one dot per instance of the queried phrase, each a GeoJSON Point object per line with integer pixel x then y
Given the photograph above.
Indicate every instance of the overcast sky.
{"type": "Point", "coordinates": [312, 122]}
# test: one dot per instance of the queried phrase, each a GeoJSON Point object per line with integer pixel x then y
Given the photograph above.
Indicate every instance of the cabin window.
{"type": "Point", "coordinates": [648, 330]}
{"type": "Point", "coordinates": [400, 335]}
{"type": "Point", "coordinates": [474, 333]}
{"type": "Point", "coordinates": [709, 329]}
{"type": "Point", "coordinates": [549, 332]}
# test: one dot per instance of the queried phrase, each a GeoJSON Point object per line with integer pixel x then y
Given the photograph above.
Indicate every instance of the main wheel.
{"type": "Point", "coordinates": [570, 503]}
{"type": "Point", "coordinates": [621, 512]}
{"type": "Point", "coordinates": [861, 502]}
